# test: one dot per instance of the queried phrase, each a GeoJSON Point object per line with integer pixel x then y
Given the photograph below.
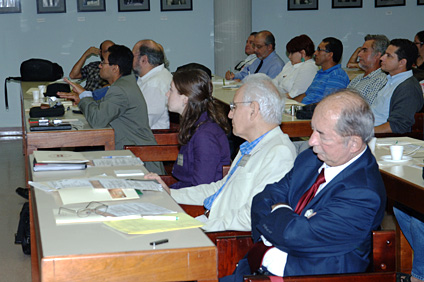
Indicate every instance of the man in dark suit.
{"type": "Point", "coordinates": [304, 228]}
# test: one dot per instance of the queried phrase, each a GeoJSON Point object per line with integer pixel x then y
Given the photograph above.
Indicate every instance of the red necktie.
{"type": "Point", "coordinates": [309, 195]}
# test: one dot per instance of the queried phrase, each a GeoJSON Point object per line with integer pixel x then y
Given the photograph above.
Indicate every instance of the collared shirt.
{"type": "Point", "coordinates": [275, 260]}
{"type": "Point", "coordinates": [369, 85]}
{"type": "Point", "coordinates": [246, 62]}
{"type": "Point", "coordinates": [295, 79]}
{"type": "Point", "coordinates": [245, 149]}
{"type": "Point", "coordinates": [326, 82]}
{"type": "Point", "coordinates": [154, 86]}
{"type": "Point", "coordinates": [381, 105]}
{"type": "Point", "coordinates": [91, 73]}
{"type": "Point", "coordinates": [272, 66]}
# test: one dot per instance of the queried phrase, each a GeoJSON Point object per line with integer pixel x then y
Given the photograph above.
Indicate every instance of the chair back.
{"type": "Point", "coordinates": [154, 153]}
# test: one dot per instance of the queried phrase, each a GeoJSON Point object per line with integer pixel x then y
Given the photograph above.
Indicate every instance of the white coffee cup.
{"type": "Point", "coordinates": [397, 152]}
{"type": "Point", "coordinates": [42, 89]}
{"type": "Point", "coordinates": [36, 95]}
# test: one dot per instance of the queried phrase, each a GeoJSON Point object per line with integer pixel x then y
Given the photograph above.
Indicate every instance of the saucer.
{"type": "Point", "coordinates": [388, 158]}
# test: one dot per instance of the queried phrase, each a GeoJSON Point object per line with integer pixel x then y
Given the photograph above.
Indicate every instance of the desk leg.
{"type": "Point", "coordinates": [403, 252]}
{"type": "Point", "coordinates": [35, 270]}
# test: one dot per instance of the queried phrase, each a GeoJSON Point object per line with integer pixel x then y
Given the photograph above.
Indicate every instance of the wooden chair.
{"type": "Point", "coordinates": [359, 277]}
{"type": "Point", "coordinates": [156, 153]}
{"type": "Point", "coordinates": [417, 130]}
{"type": "Point", "coordinates": [382, 268]}
{"type": "Point", "coordinates": [165, 136]}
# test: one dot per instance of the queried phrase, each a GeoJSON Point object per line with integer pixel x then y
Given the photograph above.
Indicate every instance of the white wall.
{"type": "Point", "coordinates": [187, 36]}
{"type": "Point", "coordinates": [350, 25]}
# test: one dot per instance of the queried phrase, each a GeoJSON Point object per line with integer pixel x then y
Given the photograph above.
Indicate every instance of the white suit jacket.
{"type": "Point", "coordinates": [270, 160]}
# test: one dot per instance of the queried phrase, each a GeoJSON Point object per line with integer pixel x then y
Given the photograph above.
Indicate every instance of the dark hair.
{"type": "Point", "coordinates": [299, 43]}
{"type": "Point", "coordinates": [334, 45]}
{"type": "Point", "coordinates": [197, 86]}
{"type": "Point", "coordinates": [253, 33]}
{"type": "Point", "coordinates": [154, 56]}
{"type": "Point", "coordinates": [406, 50]}
{"type": "Point", "coordinates": [195, 66]}
{"type": "Point", "coordinates": [121, 56]}
{"type": "Point", "coordinates": [420, 36]}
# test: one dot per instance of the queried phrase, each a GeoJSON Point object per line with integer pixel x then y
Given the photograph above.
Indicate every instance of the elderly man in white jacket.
{"type": "Point", "coordinates": [265, 157]}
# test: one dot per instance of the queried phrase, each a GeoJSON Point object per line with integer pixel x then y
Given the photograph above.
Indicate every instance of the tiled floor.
{"type": "Point", "coordinates": [14, 265]}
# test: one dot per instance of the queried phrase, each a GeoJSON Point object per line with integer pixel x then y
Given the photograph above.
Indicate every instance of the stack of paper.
{"type": "Point", "coordinates": [58, 160]}
{"type": "Point", "coordinates": [146, 226]}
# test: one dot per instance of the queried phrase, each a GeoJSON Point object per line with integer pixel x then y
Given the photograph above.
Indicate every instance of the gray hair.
{"type": "Point", "coordinates": [154, 56]}
{"type": "Point", "coordinates": [356, 117]}
{"type": "Point", "coordinates": [380, 44]}
{"type": "Point", "coordinates": [260, 88]}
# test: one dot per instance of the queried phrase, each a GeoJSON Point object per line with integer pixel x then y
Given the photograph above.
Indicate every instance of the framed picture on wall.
{"type": "Point", "coordinates": [133, 5]}
{"type": "Point", "coordinates": [302, 5]}
{"type": "Point", "coordinates": [10, 6]}
{"type": "Point", "coordinates": [91, 5]}
{"type": "Point", "coordinates": [389, 3]}
{"type": "Point", "coordinates": [347, 4]}
{"type": "Point", "coordinates": [176, 5]}
{"type": "Point", "coordinates": [420, 2]}
{"type": "Point", "coordinates": [51, 6]}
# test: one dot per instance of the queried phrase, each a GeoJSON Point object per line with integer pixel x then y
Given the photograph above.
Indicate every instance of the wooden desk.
{"type": "Point", "coordinates": [95, 252]}
{"type": "Point", "coordinates": [83, 137]}
{"type": "Point", "coordinates": [404, 184]}
{"type": "Point", "coordinates": [291, 125]}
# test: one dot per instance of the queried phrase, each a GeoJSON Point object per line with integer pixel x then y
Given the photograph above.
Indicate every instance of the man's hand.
{"type": "Point", "coordinates": [156, 177]}
{"type": "Point", "coordinates": [74, 96]}
{"type": "Point", "coordinates": [229, 75]}
{"type": "Point", "coordinates": [92, 51]}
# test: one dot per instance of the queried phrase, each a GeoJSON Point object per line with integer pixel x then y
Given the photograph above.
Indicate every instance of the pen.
{"type": "Point", "coordinates": [115, 157]}
{"type": "Point", "coordinates": [154, 243]}
{"type": "Point", "coordinates": [160, 217]}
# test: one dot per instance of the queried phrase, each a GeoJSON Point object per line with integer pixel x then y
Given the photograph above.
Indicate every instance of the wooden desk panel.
{"type": "Point", "coordinates": [94, 252]}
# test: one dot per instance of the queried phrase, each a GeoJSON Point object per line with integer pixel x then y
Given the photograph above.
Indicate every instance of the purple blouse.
{"type": "Point", "coordinates": [200, 161]}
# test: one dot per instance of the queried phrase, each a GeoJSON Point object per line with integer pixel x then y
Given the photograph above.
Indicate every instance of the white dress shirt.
{"type": "Point", "coordinates": [154, 86]}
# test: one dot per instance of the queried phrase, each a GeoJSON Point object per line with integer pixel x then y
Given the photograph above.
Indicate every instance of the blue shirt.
{"type": "Point", "coordinates": [326, 82]}
{"type": "Point", "coordinates": [381, 105]}
{"type": "Point", "coordinates": [245, 149]}
{"type": "Point", "coordinates": [272, 66]}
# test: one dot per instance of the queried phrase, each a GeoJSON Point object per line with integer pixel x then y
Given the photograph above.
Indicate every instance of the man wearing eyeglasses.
{"type": "Point", "coordinates": [331, 76]}
{"type": "Point", "coordinates": [267, 61]}
{"type": "Point", "coordinates": [123, 107]}
{"type": "Point", "coordinates": [265, 157]}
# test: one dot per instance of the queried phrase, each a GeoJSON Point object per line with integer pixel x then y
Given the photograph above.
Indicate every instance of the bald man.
{"type": "Point", "coordinates": [154, 80]}
{"type": "Point", "coordinates": [91, 72]}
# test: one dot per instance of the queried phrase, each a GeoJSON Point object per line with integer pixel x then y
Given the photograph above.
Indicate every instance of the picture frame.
{"type": "Point", "coordinates": [133, 5]}
{"type": "Point", "coordinates": [389, 3]}
{"type": "Point", "coordinates": [51, 6]}
{"type": "Point", "coordinates": [420, 2]}
{"type": "Point", "coordinates": [10, 6]}
{"type": "Point", "coordinates": [176, 5]}
{"type": "Point", "coordinates": [293, 5]}
{"type": "Point", "coordinates": [91, 5]}
{"type": "Point", "coordinates": [346, 4]}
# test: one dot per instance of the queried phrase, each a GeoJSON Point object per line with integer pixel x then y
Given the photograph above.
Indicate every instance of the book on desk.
{"type": "Point", "coordinates": [59, 160]}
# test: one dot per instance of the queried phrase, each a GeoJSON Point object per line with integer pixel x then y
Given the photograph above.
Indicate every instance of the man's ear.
{"type": "Point", "coordinates": [356, 143]}
{"type": "Point", "coordinates": [402, 63]}
{"type": "Point", "coordinates": [254, 110]}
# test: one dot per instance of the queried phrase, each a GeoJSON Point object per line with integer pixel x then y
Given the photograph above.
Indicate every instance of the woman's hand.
{"type": "Point", "coordinates": [156, 177]}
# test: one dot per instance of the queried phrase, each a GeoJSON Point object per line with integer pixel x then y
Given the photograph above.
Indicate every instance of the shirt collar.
{"type": "Point", "coordinates": [152, 72]}
{"type": "Point", "coordinates": [400, 76]}
{"type": "Point", "coordinates": [332, 171]}
{"type": "Point", "coordinates": [330, 69]}
{"type": "Point", "coordinates": [247, 147]}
